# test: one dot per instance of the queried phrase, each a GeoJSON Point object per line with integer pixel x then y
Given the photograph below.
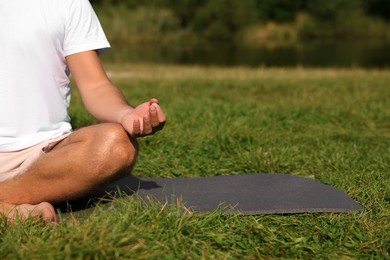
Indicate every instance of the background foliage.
{"type": "Point", "coordinates": [219, 20]}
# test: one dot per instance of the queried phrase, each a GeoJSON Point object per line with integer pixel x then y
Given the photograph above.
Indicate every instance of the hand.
{"type": "Point", "coordinates": [145, 119]}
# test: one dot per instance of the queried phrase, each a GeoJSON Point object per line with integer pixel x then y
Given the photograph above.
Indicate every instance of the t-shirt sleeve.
{"type": "Point", "coordinates": [83, 31]}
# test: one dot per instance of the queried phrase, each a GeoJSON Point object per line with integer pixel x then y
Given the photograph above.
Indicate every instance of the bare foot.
{"type": "Point", "coordinates": [42, 210]}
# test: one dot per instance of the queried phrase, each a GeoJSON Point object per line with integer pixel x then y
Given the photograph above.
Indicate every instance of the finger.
{"type": "Point", "coordinates": [147, 126]}
{"type": "Point", "coordinates": [160, 113]}
{"type": "Point", "coordinates": [153, 101]}
{"type": "Point", "coordinates": [136, 128]}
{"type": "Point", "coordinates": [153, 116]}
{"type": "Point", "coordinates": [161, 118]}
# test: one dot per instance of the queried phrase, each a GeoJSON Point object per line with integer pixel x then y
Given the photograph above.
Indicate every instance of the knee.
{"type": "Point", "coordinates": [118, 150]}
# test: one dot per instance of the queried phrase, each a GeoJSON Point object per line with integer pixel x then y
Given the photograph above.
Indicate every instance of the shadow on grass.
{"type": "Point", "coordinates": [125, 186]}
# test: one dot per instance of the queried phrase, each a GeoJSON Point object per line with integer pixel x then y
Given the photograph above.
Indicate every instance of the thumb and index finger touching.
{"type": "Point", "coordinates": [149, 123]}
{"type": "Point", "coordinates": [158, 111]}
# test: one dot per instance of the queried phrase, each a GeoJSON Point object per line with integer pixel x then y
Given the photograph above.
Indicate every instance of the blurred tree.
{"type": "Point", "coordinates": [332, 10]}
{"type": "Point", "coordinates": [223, 19]}
{"type": "Point", "coordinates": [131, 4]}
{"type": "Point", "coordinates": [380, 8]}
{"type": "Point", "coordinates": [185, 10]}
{"type": "Point", "coordinates": [279, 10]}
{"type": "Point", "coordinates": [341, 19]}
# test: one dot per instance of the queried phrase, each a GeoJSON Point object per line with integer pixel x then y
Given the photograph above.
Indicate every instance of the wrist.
{"type": "Point", "coordinates": [123, 113]}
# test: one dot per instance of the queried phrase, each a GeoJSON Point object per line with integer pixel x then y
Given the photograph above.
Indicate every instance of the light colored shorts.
{"type": "Point", "coordinates": [15, 163]}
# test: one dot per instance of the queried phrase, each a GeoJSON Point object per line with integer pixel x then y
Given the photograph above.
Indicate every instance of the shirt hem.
{"type": "Point", "coordinates": [101, 47]}
{"type": "Point", "coordinates": [25, 145]}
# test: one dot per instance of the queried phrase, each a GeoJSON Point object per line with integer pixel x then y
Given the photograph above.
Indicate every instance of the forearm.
{"type": "Point", "coordinates": [105, 102]}
{"type": "Point", "coordinates": [101, 98]}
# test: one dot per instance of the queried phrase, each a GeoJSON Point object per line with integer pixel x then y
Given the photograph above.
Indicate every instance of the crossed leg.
{"type": "Point", "coordinates": [86, 160]}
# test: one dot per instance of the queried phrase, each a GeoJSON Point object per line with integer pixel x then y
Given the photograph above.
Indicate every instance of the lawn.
{"type": "Point", "coordinates": [330, 125]}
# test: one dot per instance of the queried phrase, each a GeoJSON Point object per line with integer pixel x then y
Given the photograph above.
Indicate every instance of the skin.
{"type": "Point", "coordinates": [90, 157]}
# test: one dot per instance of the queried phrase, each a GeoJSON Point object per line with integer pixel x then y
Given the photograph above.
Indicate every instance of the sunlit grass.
{"type": "Point", "coordinates": [329, 125]}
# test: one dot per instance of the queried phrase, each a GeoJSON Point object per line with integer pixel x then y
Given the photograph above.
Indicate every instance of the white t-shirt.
{"type": "Point", "coordinates": [35, 38]}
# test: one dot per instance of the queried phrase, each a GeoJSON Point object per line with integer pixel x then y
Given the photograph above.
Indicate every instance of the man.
{"type": "Point", "coordinates": [42, 161]}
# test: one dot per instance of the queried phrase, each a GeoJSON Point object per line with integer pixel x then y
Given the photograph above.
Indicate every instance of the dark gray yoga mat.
{"type": "Point", "coordinates": [248, 194]}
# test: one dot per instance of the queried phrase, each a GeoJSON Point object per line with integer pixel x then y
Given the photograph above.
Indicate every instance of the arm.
{"type": "Point", "coordinates": [105, 102]}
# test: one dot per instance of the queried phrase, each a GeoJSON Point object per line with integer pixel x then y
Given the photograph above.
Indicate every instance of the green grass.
{"type": "Point", "coordinates": [328, 125]}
